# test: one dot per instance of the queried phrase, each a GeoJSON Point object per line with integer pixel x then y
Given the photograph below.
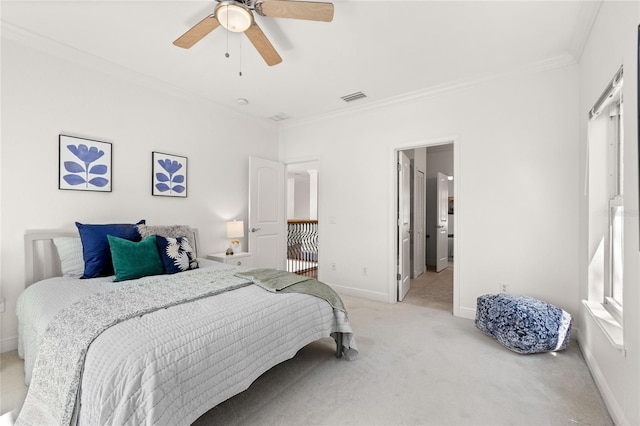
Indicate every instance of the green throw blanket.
{"type": "Point", "coordinates": [287, 282]}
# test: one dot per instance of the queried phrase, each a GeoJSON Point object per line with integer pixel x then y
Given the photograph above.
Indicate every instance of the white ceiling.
{"type": "Point", "coordinates": [386, 49]}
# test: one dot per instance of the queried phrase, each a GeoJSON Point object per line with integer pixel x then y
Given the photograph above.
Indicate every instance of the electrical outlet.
{"type": "Point", "coordinates": [2, 306]}
{"type": "Point", "coordinates": [364, 270]}
{"type": "Point", "coordinates": [503, 288]}
{"type": "Point", "coordinates": [333, 266]}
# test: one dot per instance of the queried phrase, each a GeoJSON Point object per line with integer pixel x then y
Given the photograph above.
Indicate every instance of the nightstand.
{"type": "Point", "coordinates": [237, 259]}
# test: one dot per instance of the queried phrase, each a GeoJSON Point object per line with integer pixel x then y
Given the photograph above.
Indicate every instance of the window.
{"type": "Point", "coordinates": [606, 207]}
{"type": "Point", "coordinates": [613, 289]}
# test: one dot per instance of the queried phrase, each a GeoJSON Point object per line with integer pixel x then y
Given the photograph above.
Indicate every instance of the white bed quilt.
{"type": "Point", "coordinates": [172, 365]}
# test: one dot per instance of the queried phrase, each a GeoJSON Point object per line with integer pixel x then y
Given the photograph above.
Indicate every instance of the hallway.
{"type": "Point", "coordinates": [433, 289]}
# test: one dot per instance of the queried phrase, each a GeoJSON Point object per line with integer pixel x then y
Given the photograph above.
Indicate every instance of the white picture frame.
{"type": "Point", "coordinates": [84, 164]}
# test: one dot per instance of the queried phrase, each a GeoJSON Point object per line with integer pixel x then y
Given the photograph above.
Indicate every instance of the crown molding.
{"type": "Point", "coordinates": [82, 58]}
{"type": "Point", "coordinates": [559, 61]}
{"type": "Point", "coordinates": [586, 19]}
{"type": "Point", "coordinates": [90, 61]}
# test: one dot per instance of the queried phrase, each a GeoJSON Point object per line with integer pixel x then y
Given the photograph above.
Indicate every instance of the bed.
{"type": "Point", "coordinates": [165, 365]}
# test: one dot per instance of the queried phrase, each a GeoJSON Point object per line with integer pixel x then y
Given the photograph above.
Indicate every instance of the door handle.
{"type": "Point", "coordinates": [255, 229]}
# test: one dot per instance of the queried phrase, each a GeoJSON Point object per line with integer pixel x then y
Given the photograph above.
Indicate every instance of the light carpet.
{"type": "Point", "coordinates": [417, 366]}
{"type": "Point", "coordinates": [432, 289]}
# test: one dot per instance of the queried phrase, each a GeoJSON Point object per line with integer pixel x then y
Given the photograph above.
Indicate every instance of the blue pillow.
{"type": "Point", "coordinates": [95, 245]}
{"type": "Point", "coordinates": [176, 254]}
{"type": "Point", "coordinates": [133, 260]}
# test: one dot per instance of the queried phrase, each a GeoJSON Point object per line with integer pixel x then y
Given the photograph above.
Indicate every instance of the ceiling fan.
{"type": "Point", "coordinates": [237, 16]}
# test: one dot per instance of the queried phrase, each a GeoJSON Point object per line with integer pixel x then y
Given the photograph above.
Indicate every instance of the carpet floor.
{"type": "Point", "coordinates": [418, 365]}
{"type": "Point", "coordinates": [432, 289]}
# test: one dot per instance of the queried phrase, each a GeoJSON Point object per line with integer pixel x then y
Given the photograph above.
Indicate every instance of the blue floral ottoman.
{"type": "Point", "coordinates": [523, 324]}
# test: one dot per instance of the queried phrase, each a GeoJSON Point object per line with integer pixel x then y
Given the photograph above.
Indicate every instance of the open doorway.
{"type": "Point", "coordinates": [431, 227]}
{"type": "Point", "coordinates": [302, 218]}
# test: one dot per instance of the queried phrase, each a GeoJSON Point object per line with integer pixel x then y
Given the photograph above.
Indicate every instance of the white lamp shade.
{"type": "Point", "coordinates": [235, 229]}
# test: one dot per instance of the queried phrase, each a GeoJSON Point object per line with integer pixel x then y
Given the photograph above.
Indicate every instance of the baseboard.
{"type": "Point", "coordinates": [364, 294]}
{"type": "Point", "coordinates": [615, 411]}
{"type": "Point", "coordinates": [467, 313]}
{"type": "Point", "coordinates": [8, 345]}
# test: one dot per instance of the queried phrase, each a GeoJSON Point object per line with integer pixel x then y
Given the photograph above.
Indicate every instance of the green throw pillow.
{"type": "Point", "coordinates": [135, 259]}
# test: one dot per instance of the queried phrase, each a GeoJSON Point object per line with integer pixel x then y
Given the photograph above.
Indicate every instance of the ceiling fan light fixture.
{"type": "Point", "coordinates": [234, 16]}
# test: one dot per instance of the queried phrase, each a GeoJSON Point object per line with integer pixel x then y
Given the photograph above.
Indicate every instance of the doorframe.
{"type": "Point", "coordinates": [392, 291]}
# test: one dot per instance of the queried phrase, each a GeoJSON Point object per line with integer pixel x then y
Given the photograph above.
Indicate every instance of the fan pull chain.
{"type": "Point", "coordinates": [226, 55]}
{"type": "Point", "coordinates": [240, 72]}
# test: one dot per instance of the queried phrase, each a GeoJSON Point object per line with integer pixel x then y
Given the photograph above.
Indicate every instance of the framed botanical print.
{"type": "Point", "coordinates": [169, 175]}
{"type": "Point", "coordinates": [84, 164]}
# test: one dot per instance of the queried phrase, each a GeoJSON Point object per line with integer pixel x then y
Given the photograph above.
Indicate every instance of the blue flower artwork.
{"type": "Point", "coordinates": [169, 175]}
{"type": "Point", "coordinates": [85, 164]}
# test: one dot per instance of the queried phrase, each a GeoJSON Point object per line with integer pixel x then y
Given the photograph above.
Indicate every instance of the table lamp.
{"type": "Point", "coordinates": [235, 230]}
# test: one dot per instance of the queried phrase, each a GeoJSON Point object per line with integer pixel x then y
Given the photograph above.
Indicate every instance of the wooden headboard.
{"type": "Point", "coordinates": [41, 260]}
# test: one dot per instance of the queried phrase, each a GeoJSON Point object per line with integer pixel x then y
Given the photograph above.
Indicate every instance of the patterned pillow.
{"type": "Point", "coordinates": [70, 254]}
{"type": "Point", "coordinates": [523, 324]}
{"type": "Point", "coordinates": [173, 231]}
{"type": "Point", "coordinates": [177, 254]}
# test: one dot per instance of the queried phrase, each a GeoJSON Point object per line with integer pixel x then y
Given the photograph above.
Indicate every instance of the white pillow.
{"type": "Point", "coordinates": [70, 253]}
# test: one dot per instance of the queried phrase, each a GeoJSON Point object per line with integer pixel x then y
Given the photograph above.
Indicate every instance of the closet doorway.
{"type": "Point", "coordinates": [431, 226]}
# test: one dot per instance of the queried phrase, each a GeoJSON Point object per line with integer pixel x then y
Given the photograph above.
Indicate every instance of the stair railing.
{"type": "Point", "coordinates": [302, 247]}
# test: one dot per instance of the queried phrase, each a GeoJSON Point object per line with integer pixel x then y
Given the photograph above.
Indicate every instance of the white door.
{"type": "Point", "coordinates": [442, 223]}
{"type": "Point", "coordinates": [418, 225]}
{"type": "Point", "coordinates": [404, 224]}
{"type": "Point", "coordinates": [267, 219]}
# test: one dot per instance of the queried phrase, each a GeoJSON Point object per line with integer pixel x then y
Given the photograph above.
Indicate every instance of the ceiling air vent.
{"type": "Point", "coordinates": [280, 116]}
{"type": "Point", "coordinates": [353, 97]}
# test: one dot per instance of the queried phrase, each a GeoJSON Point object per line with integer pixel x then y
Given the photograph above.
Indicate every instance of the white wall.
{"type": "Point", "coordinates": [516, 178]}
{"type": "Point", "coordinates": [612, 42]}
{"type": "Point", "coordinates": [301, 199]}
{"type": "Point", "coordinates": [43, 96]}
{"type": "Point", "coordinates": [439, 159]}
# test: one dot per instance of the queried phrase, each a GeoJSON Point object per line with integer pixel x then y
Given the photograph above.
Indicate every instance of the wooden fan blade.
{"type": "Point", "coordinates": [308, 10]}
{"type": "Point", "coordinates": [197, 32]}
{"type": "Point", "coordinates": [263, 45]}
